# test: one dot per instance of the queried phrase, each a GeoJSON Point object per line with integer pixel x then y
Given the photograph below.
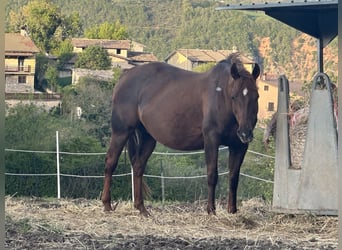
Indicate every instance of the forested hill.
{"type": "Point", "coordinates": [166, 25]}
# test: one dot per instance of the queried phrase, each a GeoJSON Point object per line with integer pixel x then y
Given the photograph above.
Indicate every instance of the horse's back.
{"type": "Point", "coordinates": [155, 73]}
{"type": "Point", "coordinates": [146, 82]}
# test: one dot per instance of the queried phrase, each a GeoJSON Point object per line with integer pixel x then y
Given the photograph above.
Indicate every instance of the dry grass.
{"type": "Point", "coordinates": [254, 222]}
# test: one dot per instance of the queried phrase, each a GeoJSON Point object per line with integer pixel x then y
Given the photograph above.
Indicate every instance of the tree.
{"type": "Point", "coordinates": [41, 67]}
{"type": "Point", "coordinates": [94, 98]}
{"type": "Point", "coordinates": [51, 76]}
{"type": "Point", "coordinates": [204, 67]}
{"type": "Point", "coordinates": [106, 30]}
{"type": "Point", "coordinates": [64, 53]}
{"type": "Point", "coordinates": [45, 24]}
{"type": "Point", "coordinates": [93, 57]}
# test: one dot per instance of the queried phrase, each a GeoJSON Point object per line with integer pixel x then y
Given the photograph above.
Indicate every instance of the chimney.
{"type": "Point", "coordinates": [23, 32]}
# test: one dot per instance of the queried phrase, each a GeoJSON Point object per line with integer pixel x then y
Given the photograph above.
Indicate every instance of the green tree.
{"type": "Point", "coordinates": [204, 67]}
{"type": "Point", "coordinates": [93, 57]}
{"type": "Point", "coordinates": [64, 53]}
{"type": "Point", "coordinates": [41, 67]}
{"type": "Point", "coordinates": [94, 98]}
{"type": "Point", "coordinates": [64, 47]}
{"type": "Point", "coordinates": [51, 76]}
{"type": "Point", "coordinates": [106, 30]}
{"type": "Point", "coordinates": [45, 23]}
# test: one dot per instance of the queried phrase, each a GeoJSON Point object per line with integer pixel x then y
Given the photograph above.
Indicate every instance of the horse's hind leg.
{"type": "Point", "coordinates": [140, 148]}
{"type": "Point", "coordinates": [117, 142]}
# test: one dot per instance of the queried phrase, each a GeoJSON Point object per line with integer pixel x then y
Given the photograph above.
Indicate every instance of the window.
{"type": "Point", "coordinates": [266, 88]}
{"type": "Point", "coordinates": [118, 51]}
{"type": "Point", "coordinates": [22, 79]}
{"type": "Point", "coordinates": [21, 63]}
{"type": "Point", "coordinates": [270, 106]}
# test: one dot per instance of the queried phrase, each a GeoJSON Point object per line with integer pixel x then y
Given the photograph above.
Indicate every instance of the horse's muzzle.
{"type": "Point", "coordinates": [245, 136]}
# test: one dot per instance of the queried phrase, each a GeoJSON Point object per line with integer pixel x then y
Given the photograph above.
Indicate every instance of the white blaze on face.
{"type": "Point", "coordinates": [245, 91]}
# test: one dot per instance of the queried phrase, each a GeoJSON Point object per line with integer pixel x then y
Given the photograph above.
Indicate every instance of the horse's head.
{"type": "Point", "coordinates": [244, 94]}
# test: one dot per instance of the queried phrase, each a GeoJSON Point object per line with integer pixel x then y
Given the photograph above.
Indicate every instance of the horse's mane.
{"type": "Point", "coordinates": [236, 58]}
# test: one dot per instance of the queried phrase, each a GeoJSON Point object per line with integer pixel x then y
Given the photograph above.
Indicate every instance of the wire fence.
{"type": "Point", "coordinates": [58, 174]}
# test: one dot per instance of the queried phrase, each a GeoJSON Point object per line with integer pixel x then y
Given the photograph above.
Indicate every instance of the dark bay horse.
{"type": "Point", "coordinates": [183, 110]}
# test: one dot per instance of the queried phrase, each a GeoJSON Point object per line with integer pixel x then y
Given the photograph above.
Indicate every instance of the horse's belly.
{"type": "Point", "coordinates": [181, 143]}
{"type": "Point", "coordinates": [176, 136]}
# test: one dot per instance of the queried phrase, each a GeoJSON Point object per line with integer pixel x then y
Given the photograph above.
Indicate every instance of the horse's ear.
{"type": "Point", "coordinates": [234, 71]}
{"type": "Point", "coordinates": [256, 71]}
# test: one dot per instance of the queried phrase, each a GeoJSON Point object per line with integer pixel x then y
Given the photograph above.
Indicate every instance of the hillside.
{"type": "Point", "coordinates": [164, 26]}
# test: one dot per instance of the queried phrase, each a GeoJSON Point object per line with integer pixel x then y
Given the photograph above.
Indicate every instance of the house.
{"type": "Point", "coordinates": [188, 59]}
{"type": "Point", "coordinates": [20, 63]}
{"type": "Point", "coordinates": [123, 53]}
{"type": "Point", "coordinates": [268, 98]}
{"type": "Point", "coordinates": [268, 94]}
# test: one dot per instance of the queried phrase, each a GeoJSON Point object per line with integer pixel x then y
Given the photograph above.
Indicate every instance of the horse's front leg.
{"type": "Point", "coordinates": [211, 154]}
{"type": "Point", "coordinates": [235, 160]}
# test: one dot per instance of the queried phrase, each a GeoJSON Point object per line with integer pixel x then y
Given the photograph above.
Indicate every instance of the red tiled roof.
{"type": "Point", "coordinates": [17, 44]}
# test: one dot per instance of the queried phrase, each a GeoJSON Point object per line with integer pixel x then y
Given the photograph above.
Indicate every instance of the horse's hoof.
{"type": "Point", "coordinates": [115, 205]}
{"type": "Point", "coordinates": [212, 213]}
{"type": "Point", "coordinates": [232, 210]}
{"type": "Point", "coordinates": [108, 207]}
{"type": "Point", "coordinates": [145, 213]}
{"type": "Point", "coordinates": [211, 210]}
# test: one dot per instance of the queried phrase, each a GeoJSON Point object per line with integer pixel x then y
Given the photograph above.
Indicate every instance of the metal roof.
{"type": "Point", "coordinates": [316, 18]}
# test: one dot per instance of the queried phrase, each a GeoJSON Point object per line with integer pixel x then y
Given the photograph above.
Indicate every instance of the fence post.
{"type": "Point", "coordinates": [132, 178]}
{"type": "Point", "coordinates": [162, 182]}
{"type": "Point", "coordinates": [58, 171]}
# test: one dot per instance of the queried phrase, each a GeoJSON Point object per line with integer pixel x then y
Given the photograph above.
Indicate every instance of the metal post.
{"type": "Point", "coordinates": [58, 170]}
{"type": "Point", "coordinates": [320, 54]}
{"type": "Point", "coordinates": [162, 182]}
{"type": "Point", "coordinates": [132, 178]}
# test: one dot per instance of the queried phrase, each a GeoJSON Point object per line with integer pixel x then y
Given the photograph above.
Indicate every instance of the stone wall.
{"type": "Point", "coordinates": [13, 85]}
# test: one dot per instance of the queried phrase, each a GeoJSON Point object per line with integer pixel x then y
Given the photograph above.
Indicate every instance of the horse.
{"type": "Point", "coordinates": [183, 110]}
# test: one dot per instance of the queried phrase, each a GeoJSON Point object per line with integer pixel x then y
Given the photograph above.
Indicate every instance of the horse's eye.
{"type": "Point", "coordinates": [233, 97]}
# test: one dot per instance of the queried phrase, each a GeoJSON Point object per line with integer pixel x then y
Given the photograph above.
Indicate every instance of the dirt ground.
{"type": "Point", "coordinates": [35, 223]}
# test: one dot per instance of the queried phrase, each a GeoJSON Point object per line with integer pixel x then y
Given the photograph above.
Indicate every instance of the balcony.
{"type": "Point", "coordinates": [19, 69]}
{"type": "Point", "coordinates": [33, 96]}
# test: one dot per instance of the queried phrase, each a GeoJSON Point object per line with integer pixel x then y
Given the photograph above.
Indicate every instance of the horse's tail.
{"type": "Point", "coordinates": [133, 148]}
